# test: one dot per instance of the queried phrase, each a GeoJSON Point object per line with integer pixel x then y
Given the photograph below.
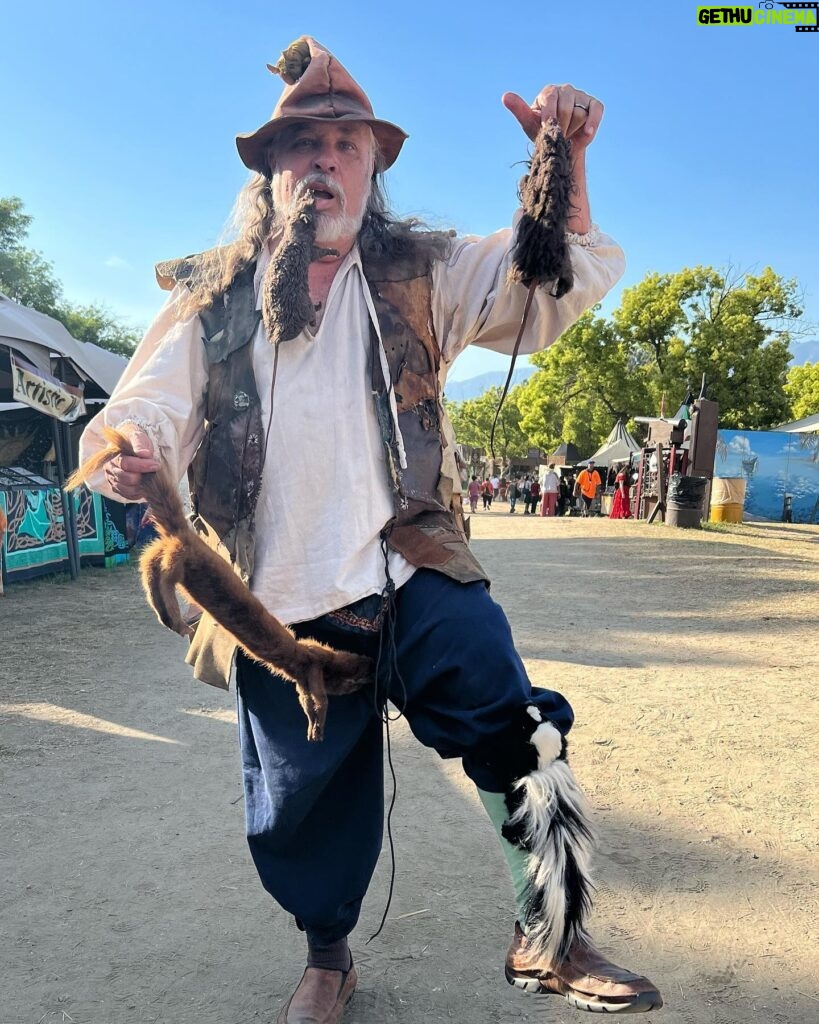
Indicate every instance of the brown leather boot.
{"type": "Point", "coordinates": [320, 997]}
{"type": "Point", "coordinates": [585, 978]}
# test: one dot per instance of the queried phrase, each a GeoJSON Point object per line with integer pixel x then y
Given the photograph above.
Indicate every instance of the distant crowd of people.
{"type": "Point", "coordinates": [549, 498]}
{"type": "Point", "coordinates": [556, 494]}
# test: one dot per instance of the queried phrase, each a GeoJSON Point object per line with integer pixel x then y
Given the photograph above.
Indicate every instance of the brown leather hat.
{"type": "Point", "coordinates": [317, 88]}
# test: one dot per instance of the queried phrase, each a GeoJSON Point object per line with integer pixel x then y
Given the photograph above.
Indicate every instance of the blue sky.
{"type": "Point", "coordinates": [119, 121]}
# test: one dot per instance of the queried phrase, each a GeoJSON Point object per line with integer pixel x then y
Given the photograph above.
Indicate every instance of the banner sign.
{"type": "Point", "coordinates": [37, 389]}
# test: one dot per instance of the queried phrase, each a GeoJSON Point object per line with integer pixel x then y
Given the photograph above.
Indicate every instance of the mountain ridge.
{"type": "Point", "coordinates": [804, 352]}
{"type": "Point", "coordinates": [473, 387]}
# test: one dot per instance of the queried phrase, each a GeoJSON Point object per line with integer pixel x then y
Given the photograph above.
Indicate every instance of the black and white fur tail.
{"type": "Point", "coordinates": [548, 817]}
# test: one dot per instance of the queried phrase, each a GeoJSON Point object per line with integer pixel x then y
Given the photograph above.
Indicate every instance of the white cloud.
{"type": "Point", "coordinates": [741, 445]}
{"type": "Point", "coordinates": [118, 263]}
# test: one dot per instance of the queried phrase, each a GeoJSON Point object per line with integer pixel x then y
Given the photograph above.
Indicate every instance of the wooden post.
{"type": "Point", "coordinates": [638, 497]}
{"type": "Point", "coordinates": [659, 508]}
{"type": "Point", "coordinates": [61, 452]}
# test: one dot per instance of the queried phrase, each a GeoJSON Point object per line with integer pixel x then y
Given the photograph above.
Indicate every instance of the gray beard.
{"type": "Point", "coordinates": [329, 228]}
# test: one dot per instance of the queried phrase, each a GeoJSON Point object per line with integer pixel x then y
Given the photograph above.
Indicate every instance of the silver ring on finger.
{"type": "Point", "coordinates": [583, 106]}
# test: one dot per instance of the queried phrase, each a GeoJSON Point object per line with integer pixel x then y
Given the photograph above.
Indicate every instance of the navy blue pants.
{"type": "Point", "coordinates": [315, 811]}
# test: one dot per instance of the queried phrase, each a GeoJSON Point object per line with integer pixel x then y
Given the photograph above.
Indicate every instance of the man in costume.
{"type": "Point", "coordinates": [588, 484]}
{"type": "Point", "coordinates": [317, 342]}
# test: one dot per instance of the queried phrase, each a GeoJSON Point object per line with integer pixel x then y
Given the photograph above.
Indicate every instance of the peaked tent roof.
{"type": "Point", "coordinates": [808, 425]}
{"type": "Point", "coordinates": [567, 454]}
{"type": "Point", "coordinates": [37, 336]}
{"type": "Point", "coordinates": [617, 447]}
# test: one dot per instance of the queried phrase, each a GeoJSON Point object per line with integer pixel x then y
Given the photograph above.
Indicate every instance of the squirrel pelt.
{"type": "Point", "coordinates": [180, 558]}
{"type": "Point", "coordinates": [541, 253]}
{"type": "Point", "coordinates": [286, 304]}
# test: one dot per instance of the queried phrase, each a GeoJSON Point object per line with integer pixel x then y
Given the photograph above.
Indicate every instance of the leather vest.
{"type": "Point", "coordinates": [428, 526]}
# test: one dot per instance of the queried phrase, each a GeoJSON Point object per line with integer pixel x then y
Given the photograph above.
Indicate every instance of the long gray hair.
{"type": "Point", "coordinates": [253, 220]}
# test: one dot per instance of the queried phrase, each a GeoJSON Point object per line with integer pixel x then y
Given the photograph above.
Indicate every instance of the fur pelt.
{"type": "Point", "coordinates": [286, 304]}
{"type": "Point", "coordinates": [180, 558]}
{"type": "Point", "coordinates": [548, 818]}
{"type": "Point", "coordinates": [541, 253]}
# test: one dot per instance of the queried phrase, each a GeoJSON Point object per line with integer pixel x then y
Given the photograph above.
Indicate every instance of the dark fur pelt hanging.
{"type": "Point", "coordinates": [286, 304]}
{"type": "Point", "coordinates": [541, 253]}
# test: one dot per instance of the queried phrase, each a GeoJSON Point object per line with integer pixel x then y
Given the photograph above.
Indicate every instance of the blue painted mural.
{"type": "Point", "coordinates": [774, 464]}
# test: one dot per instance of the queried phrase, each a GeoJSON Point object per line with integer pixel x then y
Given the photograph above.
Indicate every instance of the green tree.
{"type": "Point", "coordinates": [734, 328]}
{"type": "Point", "coordinates": [99, 326]}
{"type": "Point", "coordinates": [472, 421]}
{"type": "Point", "coordinates": [668, 331]}
{"type": "Point", "coordinates": [25, 275]}
{"type": "Point", "coordinates": [803, 390]}
{"type": "Point", "coordinates": [585, 382]}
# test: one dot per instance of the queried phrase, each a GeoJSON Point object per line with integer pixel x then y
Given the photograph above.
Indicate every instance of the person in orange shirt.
{"type": "Point", "coordinates": [589, 484]}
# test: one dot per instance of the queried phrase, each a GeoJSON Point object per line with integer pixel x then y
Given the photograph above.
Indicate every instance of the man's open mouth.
{"type": "Point", "coordinates": [321, 193]}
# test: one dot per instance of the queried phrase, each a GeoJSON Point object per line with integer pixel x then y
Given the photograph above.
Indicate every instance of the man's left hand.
{"type": "Point", "coordinates": [578, 113]}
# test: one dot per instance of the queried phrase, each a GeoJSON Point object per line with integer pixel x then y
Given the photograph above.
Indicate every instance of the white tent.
{"type": "Point", "coordinates": [40, 338]}
{"type": "Point", "coordinates": [809, 425]}
{"type": "Point", "coordinates": [46, 344]}
{"type": "Point", "coordinates": [617, 447]}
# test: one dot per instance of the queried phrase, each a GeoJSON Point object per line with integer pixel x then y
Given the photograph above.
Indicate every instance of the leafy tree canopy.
{"type": "Point", "coordinates": [473, 418]}
{"type": "Point", "coordinates": [584, 382]}
{"type": "Point", "coordinates": [668, 331]}
{"type": "Point", "coordinates": [27, 277]}
{"type": "Point", "coordinates": [803, 390]}
{"type": "Point", "coordinates": [99, 326]}
{"type": "Point", "coordinates": [734, 328]}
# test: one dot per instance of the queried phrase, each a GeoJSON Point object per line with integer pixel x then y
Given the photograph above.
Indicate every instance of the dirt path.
{"type": "Point", "coordinates": [127, 894]}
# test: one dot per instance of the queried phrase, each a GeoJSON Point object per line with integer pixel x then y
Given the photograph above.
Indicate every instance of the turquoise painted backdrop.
{"type": "Point", "coordinates": [773, 464]}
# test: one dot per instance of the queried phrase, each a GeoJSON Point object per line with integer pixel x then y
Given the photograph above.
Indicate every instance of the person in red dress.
{"type": "Point", "coordinates": [621, 506]}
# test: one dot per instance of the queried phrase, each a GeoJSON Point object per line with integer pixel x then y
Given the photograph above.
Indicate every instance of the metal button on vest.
{"type": "Point", "coordinates": [241, 400]}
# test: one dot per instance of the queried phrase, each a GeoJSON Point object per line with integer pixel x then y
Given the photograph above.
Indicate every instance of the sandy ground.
{"type": "Point", "coordinates": [127, 893]}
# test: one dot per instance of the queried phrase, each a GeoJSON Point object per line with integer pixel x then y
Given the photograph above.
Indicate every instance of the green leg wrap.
{"type": "Point", "coordinates": [516, 859]}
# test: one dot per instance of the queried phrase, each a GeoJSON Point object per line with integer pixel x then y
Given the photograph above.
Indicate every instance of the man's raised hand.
{"type": "Point", "coordinates": [577, 112]}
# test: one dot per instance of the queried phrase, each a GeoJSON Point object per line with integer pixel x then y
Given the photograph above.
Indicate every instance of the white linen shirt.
{"type": "Point", "coordinates": [325, 493]}
{"type": "Point", "coordinates": [551, 482]}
